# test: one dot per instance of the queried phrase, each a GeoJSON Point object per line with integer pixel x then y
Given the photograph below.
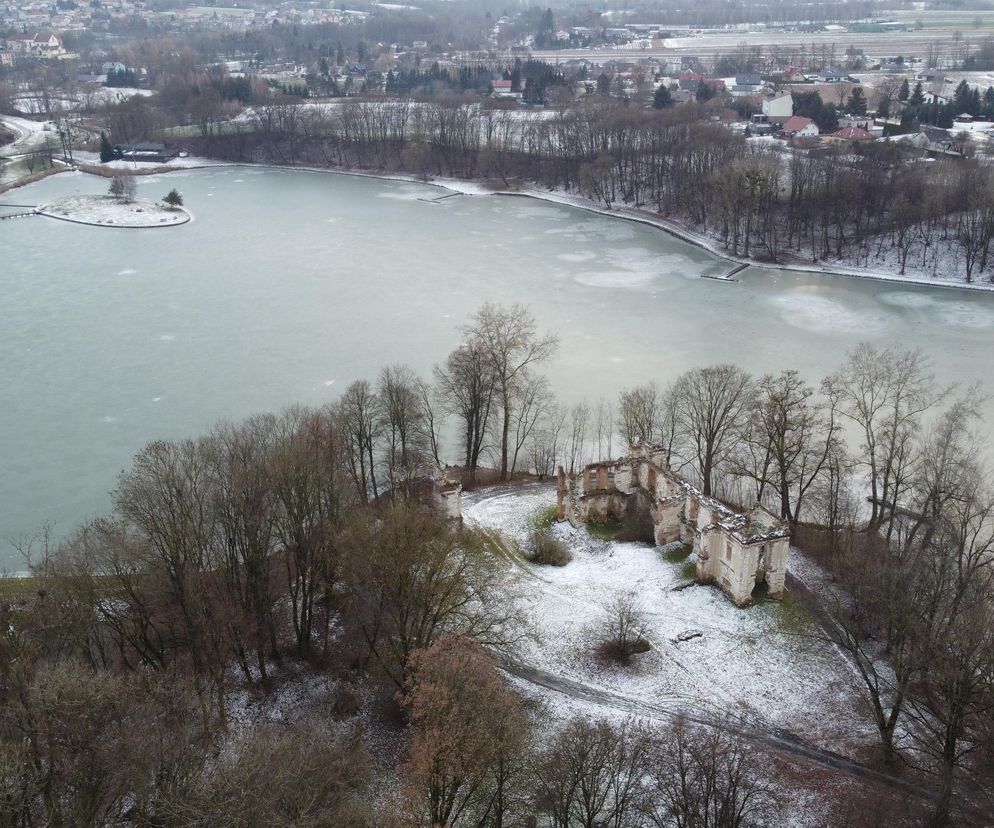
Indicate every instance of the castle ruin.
{"type": "Point", "coordinates": [735, 551]}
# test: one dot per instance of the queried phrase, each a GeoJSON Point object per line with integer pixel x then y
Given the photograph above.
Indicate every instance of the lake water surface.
{"type": "Point", "coordinates": [288, 285]}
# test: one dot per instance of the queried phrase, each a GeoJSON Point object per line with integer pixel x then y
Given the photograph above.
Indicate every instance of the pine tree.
{"type": "Point", "coordinates": [106, 150]}
{"type": "Point", "coordinates": [904, 91]}
{"type": "Point", "coordinates": [173, 199]}
{"type": "Point", "coordinates": [662, 98]}
{"type": "Point", "coordinates": [857, 101]}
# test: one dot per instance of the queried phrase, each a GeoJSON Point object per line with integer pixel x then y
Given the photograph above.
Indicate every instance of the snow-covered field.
{"type": "Point", "coordinates": [107, 211]}
{"type": "Point", "coordinates": [767, 664]}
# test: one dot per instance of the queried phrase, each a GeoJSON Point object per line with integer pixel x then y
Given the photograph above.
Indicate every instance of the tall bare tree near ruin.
{"type": "Point", "coordinates": [787, 439]}
{"type": "Point", "coordinates": [579, 418]}
{"type": "Point", "coordinates": [509, 341]}
{"type": "Point", "coordinates": [638, 414]}
{"type": "Point", "coordinates": [710, 405]}
{"type": "Point", "coordinates": [401, 412]}
{"type": "Point", "coordinates": [603, 427]}
{"type": "Point", "coordinates": [432, 418]}
{"type": "Point", "coordinates": [413, 579]}
{"type": "Point", "coordinates": [358, 408]}
{"type": "Point", "coordinates": [885, 393]}
{"type": "Point", "coordinates": [533, 403]}
{"type": "Point", "coordinates": [467, 384]}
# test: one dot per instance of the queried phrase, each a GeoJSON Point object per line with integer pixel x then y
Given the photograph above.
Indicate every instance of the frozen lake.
{"type": "Point", "coordinates": [289, 285]}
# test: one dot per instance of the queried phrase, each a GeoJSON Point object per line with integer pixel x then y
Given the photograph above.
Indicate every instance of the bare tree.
{"type": "Point", "coordinates": [624, 632]}
{"type": "Point", "coordinates": [884, 393]}
{"type": "Point", "coordinates": [707, 777]}
{"type": "Point", "coordinates": [413, 579]}
{"type": "Point", "coordinates": [593, 775]}
{"type": "Point", "coordinates": [533, 401]}
{"type": "Point", "coordinates": [579, 417]}
{"type": "Point", "coordinates": [358, 408]}
{"type": "Point", "coordinates": [710, 404]}
{"type": "Point", "coordinates": [467, 384]}
{"type": "Point", "coordinates": [308, 475]}
{"type": "Point", "coordinates": [123, 187]}
{"type": "Point", "coordinates": [401, 411]}
{"type": "Point", "coordinates": [638, 414]}
{"type": "Point", "coordinates": [510, 343]}
{"type": "Point", "coordinates": [603, 428]}
{"type": "Point", "coordinates": [787, 440]}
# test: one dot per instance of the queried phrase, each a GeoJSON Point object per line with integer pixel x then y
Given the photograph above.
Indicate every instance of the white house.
{"type": "Point", "coordinates": [798, 126]}
{"type": "Point", "coordinates": [38, 45]}
{"type": "Point", "coordinates": [778, 107]}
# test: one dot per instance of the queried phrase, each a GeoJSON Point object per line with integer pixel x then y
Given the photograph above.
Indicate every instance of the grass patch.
{"type": "Point", "coordinates": [543, 518]}
{"type": "Point", "coordinates": [637, 527]}
{"type": "Point", "coordinates": [495, 544]}
{"type": "Point", "coordinates": [689, 570]}
{"type": "Point", "coordinates": [604, 530]}
{"type": "Point", "coordinates": [787, 614]}
{"type": "Point", "coordinates": [678, 554]}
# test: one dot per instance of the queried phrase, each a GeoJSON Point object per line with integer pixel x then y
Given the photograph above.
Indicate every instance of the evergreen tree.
{"type": "Point", "coordinates": [857, 101]}
{"type": "Point", "coordinates": [106, 150]}
{"type": "Point", "coordinates": [662, 98]}
{"type": "Point", "coordinates": [173, 199]}
{"type": "Point", "coordinates": [904, 91]}
{"type": "Point", "coordinates": [917, 99]}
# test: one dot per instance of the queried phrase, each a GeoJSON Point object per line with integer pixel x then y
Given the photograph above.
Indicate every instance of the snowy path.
{"type": "Point", "coordinates": [776, 739]}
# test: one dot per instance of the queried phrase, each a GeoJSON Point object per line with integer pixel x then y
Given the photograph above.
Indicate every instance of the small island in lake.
{"type": "Point", "coordinates": [108, 211]}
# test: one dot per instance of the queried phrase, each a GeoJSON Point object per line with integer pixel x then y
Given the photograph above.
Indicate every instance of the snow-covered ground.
{"type": "Point", "coordinates": [98, 96]}
{"type": "Point", "coordinates": [767, 664]}
{"type": "Point", "coordinates": [107, 211]}
{"type": "Point", "coordinates": [31, 134]}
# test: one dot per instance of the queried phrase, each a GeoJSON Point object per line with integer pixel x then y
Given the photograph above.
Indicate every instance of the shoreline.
{"type": "Point", "coordinates": [478, 187]}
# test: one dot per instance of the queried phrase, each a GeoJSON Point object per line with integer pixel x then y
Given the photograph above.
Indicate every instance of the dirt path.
{"type": "Point", "coordinates": [776, 739]}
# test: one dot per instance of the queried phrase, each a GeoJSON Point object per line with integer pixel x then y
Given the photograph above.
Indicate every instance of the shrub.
{"type": "Point", "coordinates": [547, 550]}
{"type": "Point", "coordinates": [624, 635]}
{"type": "Point", "coordinates": [344, 702]}
{"type": "Point", "coordinates": [544, 518]}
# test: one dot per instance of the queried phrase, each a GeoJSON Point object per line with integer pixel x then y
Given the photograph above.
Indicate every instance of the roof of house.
{"type": "Point", "coordinates": [502, 84]}
{"type": "Point", "coordinates": [936, 135]}
{"type": "Point", "coordinates": [853, 133]}
{"type": "Point", "coordinates": [796, 123]}
{"type": "Point", "coordinates": [31, 37]}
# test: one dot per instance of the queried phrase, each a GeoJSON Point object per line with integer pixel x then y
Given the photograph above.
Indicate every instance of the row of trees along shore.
{"type": "Point", "coordinates": [860, 205]}
{"type": "Point", "coordinates": [298, 544]}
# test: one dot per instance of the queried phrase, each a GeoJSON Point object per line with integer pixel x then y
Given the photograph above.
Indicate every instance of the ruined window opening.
{"type": "Point", "coordinates": [728, 550]}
